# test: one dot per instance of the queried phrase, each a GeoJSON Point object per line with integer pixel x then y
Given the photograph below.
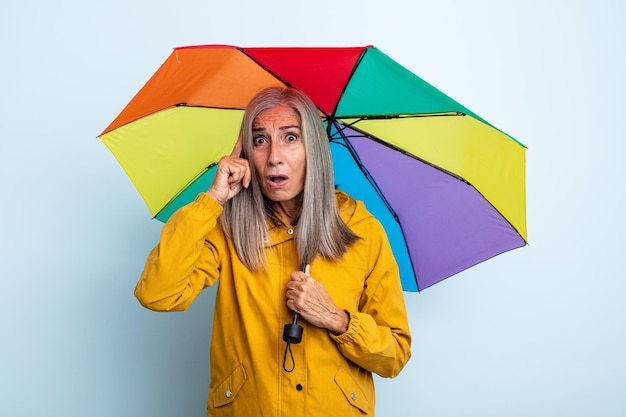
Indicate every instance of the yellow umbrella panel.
{"type": "Point", "coordinates": [164, 152]}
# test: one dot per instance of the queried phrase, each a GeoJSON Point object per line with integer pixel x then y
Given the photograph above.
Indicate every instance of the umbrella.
{"type": "Point", "coordinates": [448, 187]}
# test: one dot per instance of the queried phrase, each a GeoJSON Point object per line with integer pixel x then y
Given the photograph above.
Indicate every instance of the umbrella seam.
{"type": "Point", "coordinates": [354, 68]}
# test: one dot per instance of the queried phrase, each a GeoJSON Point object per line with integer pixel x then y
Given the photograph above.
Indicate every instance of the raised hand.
{"type": "Point", "coordinates": [233, 174]}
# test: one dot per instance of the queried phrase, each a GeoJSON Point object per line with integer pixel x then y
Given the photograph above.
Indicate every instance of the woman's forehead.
{"type": "Point", "coordinates": [280, 116]}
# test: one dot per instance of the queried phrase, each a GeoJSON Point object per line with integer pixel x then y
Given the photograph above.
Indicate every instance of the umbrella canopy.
{"type": "Point", "coordinates": [448, 187]}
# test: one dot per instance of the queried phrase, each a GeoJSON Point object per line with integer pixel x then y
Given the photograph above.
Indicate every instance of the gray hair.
{"type": "Point", "coordinates": [320, 229]}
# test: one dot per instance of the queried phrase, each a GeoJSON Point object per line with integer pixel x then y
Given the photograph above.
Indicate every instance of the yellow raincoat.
{"type": "Point", "coordinates": [332, 375]}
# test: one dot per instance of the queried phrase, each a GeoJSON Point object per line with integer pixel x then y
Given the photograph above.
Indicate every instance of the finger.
{"type": "Point", "coordinates": [234, 175]}
{"type": "Point", "coordinates": [239, 181]}
{"type": "Point", "coordinates": [247, 177]}
{"type": "Point", "coordinates": [236, 153]}
{"type": "Point", "coordinates": [296, 276]}
{"type": "Point", "coordinates": [238, 169]}
{"type": "Point", "coordinates": [292, 306]}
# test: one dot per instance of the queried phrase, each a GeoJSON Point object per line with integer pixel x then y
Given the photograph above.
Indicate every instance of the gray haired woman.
{"type": "Point", "coordinates": [271, 209]}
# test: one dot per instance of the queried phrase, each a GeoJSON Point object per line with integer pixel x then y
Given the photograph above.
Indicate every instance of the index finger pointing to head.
{"type": "Point", "coordinates": [238, 149]}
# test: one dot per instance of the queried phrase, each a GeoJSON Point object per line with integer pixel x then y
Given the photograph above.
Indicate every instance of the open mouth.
{"type": "Point", "coordinates": [277, 181]}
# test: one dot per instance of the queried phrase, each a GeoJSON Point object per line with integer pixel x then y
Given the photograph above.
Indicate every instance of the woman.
{"type": "Point", "coordinates": [272, 208]}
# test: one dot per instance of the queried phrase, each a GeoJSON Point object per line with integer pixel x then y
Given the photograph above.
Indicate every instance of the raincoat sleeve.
{"type": "Point", "coordinates": [185, 261]}
{"type": "Point", "coordinates": [378, 337]}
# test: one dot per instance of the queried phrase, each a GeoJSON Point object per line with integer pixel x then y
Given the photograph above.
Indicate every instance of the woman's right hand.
{"type": "Point", "coordinates": [233, 174]}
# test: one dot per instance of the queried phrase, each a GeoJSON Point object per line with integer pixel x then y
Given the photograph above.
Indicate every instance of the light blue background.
{"type": "Point", "coordinates": [538, 331]}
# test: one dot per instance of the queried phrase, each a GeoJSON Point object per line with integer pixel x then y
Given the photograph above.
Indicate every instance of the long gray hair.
{"type": "Point", "coordinates": [320, 230]}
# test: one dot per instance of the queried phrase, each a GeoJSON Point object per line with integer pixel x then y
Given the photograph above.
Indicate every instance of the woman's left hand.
{"type": "Point", "coordinates": [309, 299]}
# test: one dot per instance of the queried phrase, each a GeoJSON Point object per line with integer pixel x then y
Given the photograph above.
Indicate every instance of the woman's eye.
{"type": "Point", "coordinates": [291, 138]}
{"type": "Point", "coordinates": [259, 140]}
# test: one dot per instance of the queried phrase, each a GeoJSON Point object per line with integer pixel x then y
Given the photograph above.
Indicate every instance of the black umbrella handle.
{"type": "Point", "coordinates": [292, 333]}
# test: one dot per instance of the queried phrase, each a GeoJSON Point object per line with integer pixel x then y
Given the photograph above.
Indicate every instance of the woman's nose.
{"type": "Point", "coordinates": [275, 157]}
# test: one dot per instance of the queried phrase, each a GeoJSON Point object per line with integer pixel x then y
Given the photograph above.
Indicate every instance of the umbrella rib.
{"type": "Point", "coordinates": [369, 177]}
{"type": "Point", "coordinates": [340, 127]}
{"type": "Point", "coordinates": [345, 86]}
{"type": "Point", "coordinates": [273, 74]}
{"type": "Point", "coordinates": [397, 116]}
{"type": "Point", "coordinates": [183, 188]}
{"type": "Point", "coordinates": [169, 107]}
{"type": "Point", "coordinates": [205, 107]}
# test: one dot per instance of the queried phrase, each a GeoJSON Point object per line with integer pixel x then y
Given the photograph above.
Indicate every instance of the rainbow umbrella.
{"type": "Point", "coordinates": [448, 187]}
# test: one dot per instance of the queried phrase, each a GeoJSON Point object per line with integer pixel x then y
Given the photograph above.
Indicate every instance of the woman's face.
{"type": "Point", "coordinates": [279, 156]}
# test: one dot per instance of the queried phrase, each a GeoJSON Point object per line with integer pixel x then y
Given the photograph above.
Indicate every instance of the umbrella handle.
{"type": "Point", "coordinates": [292, 333]}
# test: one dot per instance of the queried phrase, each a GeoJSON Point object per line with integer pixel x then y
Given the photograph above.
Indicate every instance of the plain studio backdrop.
{"type": "Point", "coordinates": [537, 331]}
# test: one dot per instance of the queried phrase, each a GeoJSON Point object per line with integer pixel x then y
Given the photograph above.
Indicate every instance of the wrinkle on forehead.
{"type": "Point", "coordinates": [278, 118]}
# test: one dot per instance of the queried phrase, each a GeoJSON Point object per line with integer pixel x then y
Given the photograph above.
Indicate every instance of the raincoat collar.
{"type": "Point", "coordinates": [350, 211]}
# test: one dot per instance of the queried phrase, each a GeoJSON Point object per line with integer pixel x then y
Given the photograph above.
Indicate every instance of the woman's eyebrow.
{"type": "Point", "coordinates": [260, 129]}
{"type": "Point", "coordinates": [289, 127]}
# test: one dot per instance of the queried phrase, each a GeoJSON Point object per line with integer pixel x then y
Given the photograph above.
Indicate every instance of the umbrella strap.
{"type": "Point", "coordinates": [293, 362]}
